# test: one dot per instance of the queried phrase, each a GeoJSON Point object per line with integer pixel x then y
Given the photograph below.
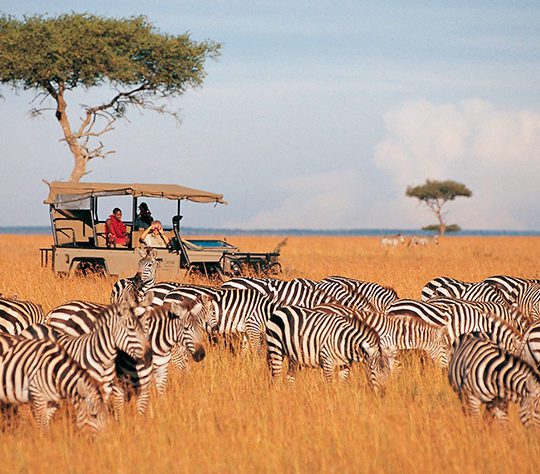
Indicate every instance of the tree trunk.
{"type": "Point", "coordinates": [442, 225]}
{"type": "Point", "coordinates": [78, 152]}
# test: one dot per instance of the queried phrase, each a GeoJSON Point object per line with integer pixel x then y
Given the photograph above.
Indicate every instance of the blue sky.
{"type": "Point", "coordinates": [317, 115]}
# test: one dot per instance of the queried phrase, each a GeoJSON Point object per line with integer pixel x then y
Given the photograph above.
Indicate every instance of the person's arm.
{"type": "Point", "coordinates": [144, 234]}
{"type": "Point", "coordinates": [164, 237]}
{"type": "Point", "coordinates": [111, 238]}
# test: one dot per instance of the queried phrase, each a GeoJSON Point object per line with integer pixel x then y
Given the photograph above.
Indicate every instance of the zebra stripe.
{"type": "Point", "coordinates": [17, 315]}
{"type": "Point", "coordinates": [465, 319]}
{"type": "Point", "coordinates": [511, 315]}
{"type": "Point", "coordinates": [138, 284]}
{"type": "Point", "coordinates": [378, 296]}
{"type": "Point", "coordinates": [248, 283]}
{"type": "Point", "coordinates": [443, 286]}
{"type": "Point", "coordinates": [75, 317]}
{"type": "Point", "coordinates": [528, 301]}
{"type": "Point", "coordinates": [482, 373]}
{"type": "Point", "coordinates": [314, 339]}
{"type": "Point", "coordinates": [508, 286]}
{"type": "Point", "coordinates": [427, 312]}
{"type": "Point", "coordinates": [531, 350]}
{"type": "Point", "coordinates": [41, 373]}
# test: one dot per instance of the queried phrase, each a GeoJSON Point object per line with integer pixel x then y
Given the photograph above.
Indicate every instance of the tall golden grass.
{"type": "Point", "coordinates": [223, 415]}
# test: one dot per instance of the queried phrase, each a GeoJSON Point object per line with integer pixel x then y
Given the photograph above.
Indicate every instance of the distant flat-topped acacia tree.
{"type": "Point", "coordinates": [141, 65]}
{"type": "Point", "coordinates": [435, 194]}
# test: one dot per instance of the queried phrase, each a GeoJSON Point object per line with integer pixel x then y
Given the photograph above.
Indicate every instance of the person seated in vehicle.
{"type": "Point", "coordinates": [116, 230]}
{"type": "Point", "coordinates": [154, 236]}
{"type": "Point", "coordinates": [144, 218]}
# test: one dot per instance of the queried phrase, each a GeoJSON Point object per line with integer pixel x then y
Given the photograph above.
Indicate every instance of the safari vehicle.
{"type": "Point", "coordinates": [80, 243]}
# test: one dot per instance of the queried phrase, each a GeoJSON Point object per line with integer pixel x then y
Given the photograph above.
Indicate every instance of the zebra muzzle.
{"type": "Point", "coordinates": [199, 353]}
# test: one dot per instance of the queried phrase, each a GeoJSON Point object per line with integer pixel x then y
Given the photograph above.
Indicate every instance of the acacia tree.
{"type": "Point", "coordinates": [141, 65]}
{"type": "Point", "coordinates": [435, 194]}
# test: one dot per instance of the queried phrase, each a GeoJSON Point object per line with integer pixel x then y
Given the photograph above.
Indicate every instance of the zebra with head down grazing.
{"type": "Point", "coordinates": [398, 334]}
{"type": "Point", "coordinates": [482, 373]}
{"type": "Point", "coordinates": [167, 325]}
{"type": "Point", "coordinates": [41, 373]}
{"type": "Point", "coordinates": [139, 283]}
{"type": "Point", "coordinates": [313, 339]}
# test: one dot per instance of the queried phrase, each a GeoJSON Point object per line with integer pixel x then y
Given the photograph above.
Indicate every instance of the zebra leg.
{"type": "Point", "coordinates": [161, 373]}
{"type": "Point", "coordinates": [291, 373]}
{"type": "Point", "coordinates": [343, 373]}
{"type": "Point", "coordinates": [275, 363]}
{"type": "Point", "coordinates": [39, 407]}
{"type": "Point", "coordinates": [471, 405]}
{"type": "Point", "coordinates": [498, 409]}
{"type": "Point", "coordinates": [118, 399]}
{"type": "Point", "coordinates": [328, 367]}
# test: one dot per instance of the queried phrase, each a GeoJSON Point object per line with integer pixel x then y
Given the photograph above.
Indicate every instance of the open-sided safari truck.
{"type": "Point", "coordinates": [80, 243]}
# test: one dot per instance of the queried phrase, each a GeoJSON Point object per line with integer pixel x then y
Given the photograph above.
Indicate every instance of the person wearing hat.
{"type": "Point", "coordinates": [144, 218]}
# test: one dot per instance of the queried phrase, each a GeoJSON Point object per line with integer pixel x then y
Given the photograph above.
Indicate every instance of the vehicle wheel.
{"type": "Point", "coordinates": [86, 268]}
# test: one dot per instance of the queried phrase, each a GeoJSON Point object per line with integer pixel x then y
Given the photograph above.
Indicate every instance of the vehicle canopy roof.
{"type": "Point", "coordinates": [63, 192]}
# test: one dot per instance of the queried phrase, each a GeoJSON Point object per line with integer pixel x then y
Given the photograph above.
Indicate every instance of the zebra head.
{"type": "Point", "coordinates": [529, 410]}
{"type": "Point", "coordinates": [129, 332]}
{"type": "Point", "coordinates": [147, 267]}
{"type": "Point", "coordinates": [204, 311]}
{"type": "Point", "coordinates": [380, 365]}
{"type": "Point", "coordinates": [191, 330]}
{"type": "Point", "coordinates": [90, 409]}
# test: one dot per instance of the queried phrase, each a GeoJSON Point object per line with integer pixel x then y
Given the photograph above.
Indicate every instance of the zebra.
{"type": "Point", "coordinates": [405, 333]}
{"type": "Point", "coordinates": [378, 296]}
{"type": "Point", "coordinates": [15, 315]}
{"type": "Point", "coordinates": [508, 286]}
{"type": "Point", "coordinates": [138, 284]}
{"type": "Point", "coordinates": [423, 241]}
{"type": "Point", "coordinates": [115, 329]}
{"type": "Point", "coordinates": [314, 339]}
{"type": "Point", "coordinates": [167, 325]}
{"type": "Point", "coordinates": [392, 240]}
{"type": "Point", "coordinates": [433, 314]}
{"type": "Point", "coordinates": [467, 319]}
{"type": "Point", "coordinates": [482, 373]}
{"type": "Point", "coordinates": [443, 286]}
{"type": "Point", "coordinates": [511, 315]}
{"type": "Point", "coordinates": [40, 372]}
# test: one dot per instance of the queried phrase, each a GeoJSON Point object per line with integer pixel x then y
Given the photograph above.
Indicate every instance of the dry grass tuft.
{"type": "Point", "coordinates": [224, 415]}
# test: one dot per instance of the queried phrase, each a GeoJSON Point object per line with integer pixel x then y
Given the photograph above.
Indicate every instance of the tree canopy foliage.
{"type": "Point", "coordinates": [435, 194]}
{"type": "Point", "coordinates": [59, 54]}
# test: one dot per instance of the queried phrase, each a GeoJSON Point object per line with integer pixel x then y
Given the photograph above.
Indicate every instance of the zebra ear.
{"type": "Point", "coordinates": [148, 299]}
{"type": "Point", "coordinates": [533, 387]}
{"type": "Point", "coordinates": [176, 310]}
{"type": "Point", "coordinates": [151, 252]}
{"type": "Point", "coordinates": [141, 252]}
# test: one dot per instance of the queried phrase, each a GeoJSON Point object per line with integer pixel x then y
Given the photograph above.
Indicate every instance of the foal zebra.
{"type": "Point", "coordinates": [482, 373]}
{"type": "Point", "coordinates": [16, 315]}
{"type": "Point", "coordinates": [138, 284]}
{"type": "Point", "coordinates": [314, 339]}
{"type": "Point", "coordinates": [41, 373]}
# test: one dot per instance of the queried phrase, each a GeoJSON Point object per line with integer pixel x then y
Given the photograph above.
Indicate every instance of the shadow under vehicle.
{"type": "Point", "coordinates": [80, 243]}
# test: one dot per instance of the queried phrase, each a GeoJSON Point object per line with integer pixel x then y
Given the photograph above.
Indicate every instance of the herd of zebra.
{"type": "Point", "coordinates": [486, 334]}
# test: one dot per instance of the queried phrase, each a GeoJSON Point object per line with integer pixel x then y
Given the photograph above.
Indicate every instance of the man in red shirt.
{"type": "Point", "coordinates": [116, 229]}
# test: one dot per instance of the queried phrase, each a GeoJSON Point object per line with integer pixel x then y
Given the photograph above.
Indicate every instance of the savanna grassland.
{"type": "Point", "coordinates": [224, 416]}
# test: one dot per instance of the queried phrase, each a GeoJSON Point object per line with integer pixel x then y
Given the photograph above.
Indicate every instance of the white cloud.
{"type": "Point", "coordinates": [495, 152]}
{"type": "Point", "coordinates": [324, 200]}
